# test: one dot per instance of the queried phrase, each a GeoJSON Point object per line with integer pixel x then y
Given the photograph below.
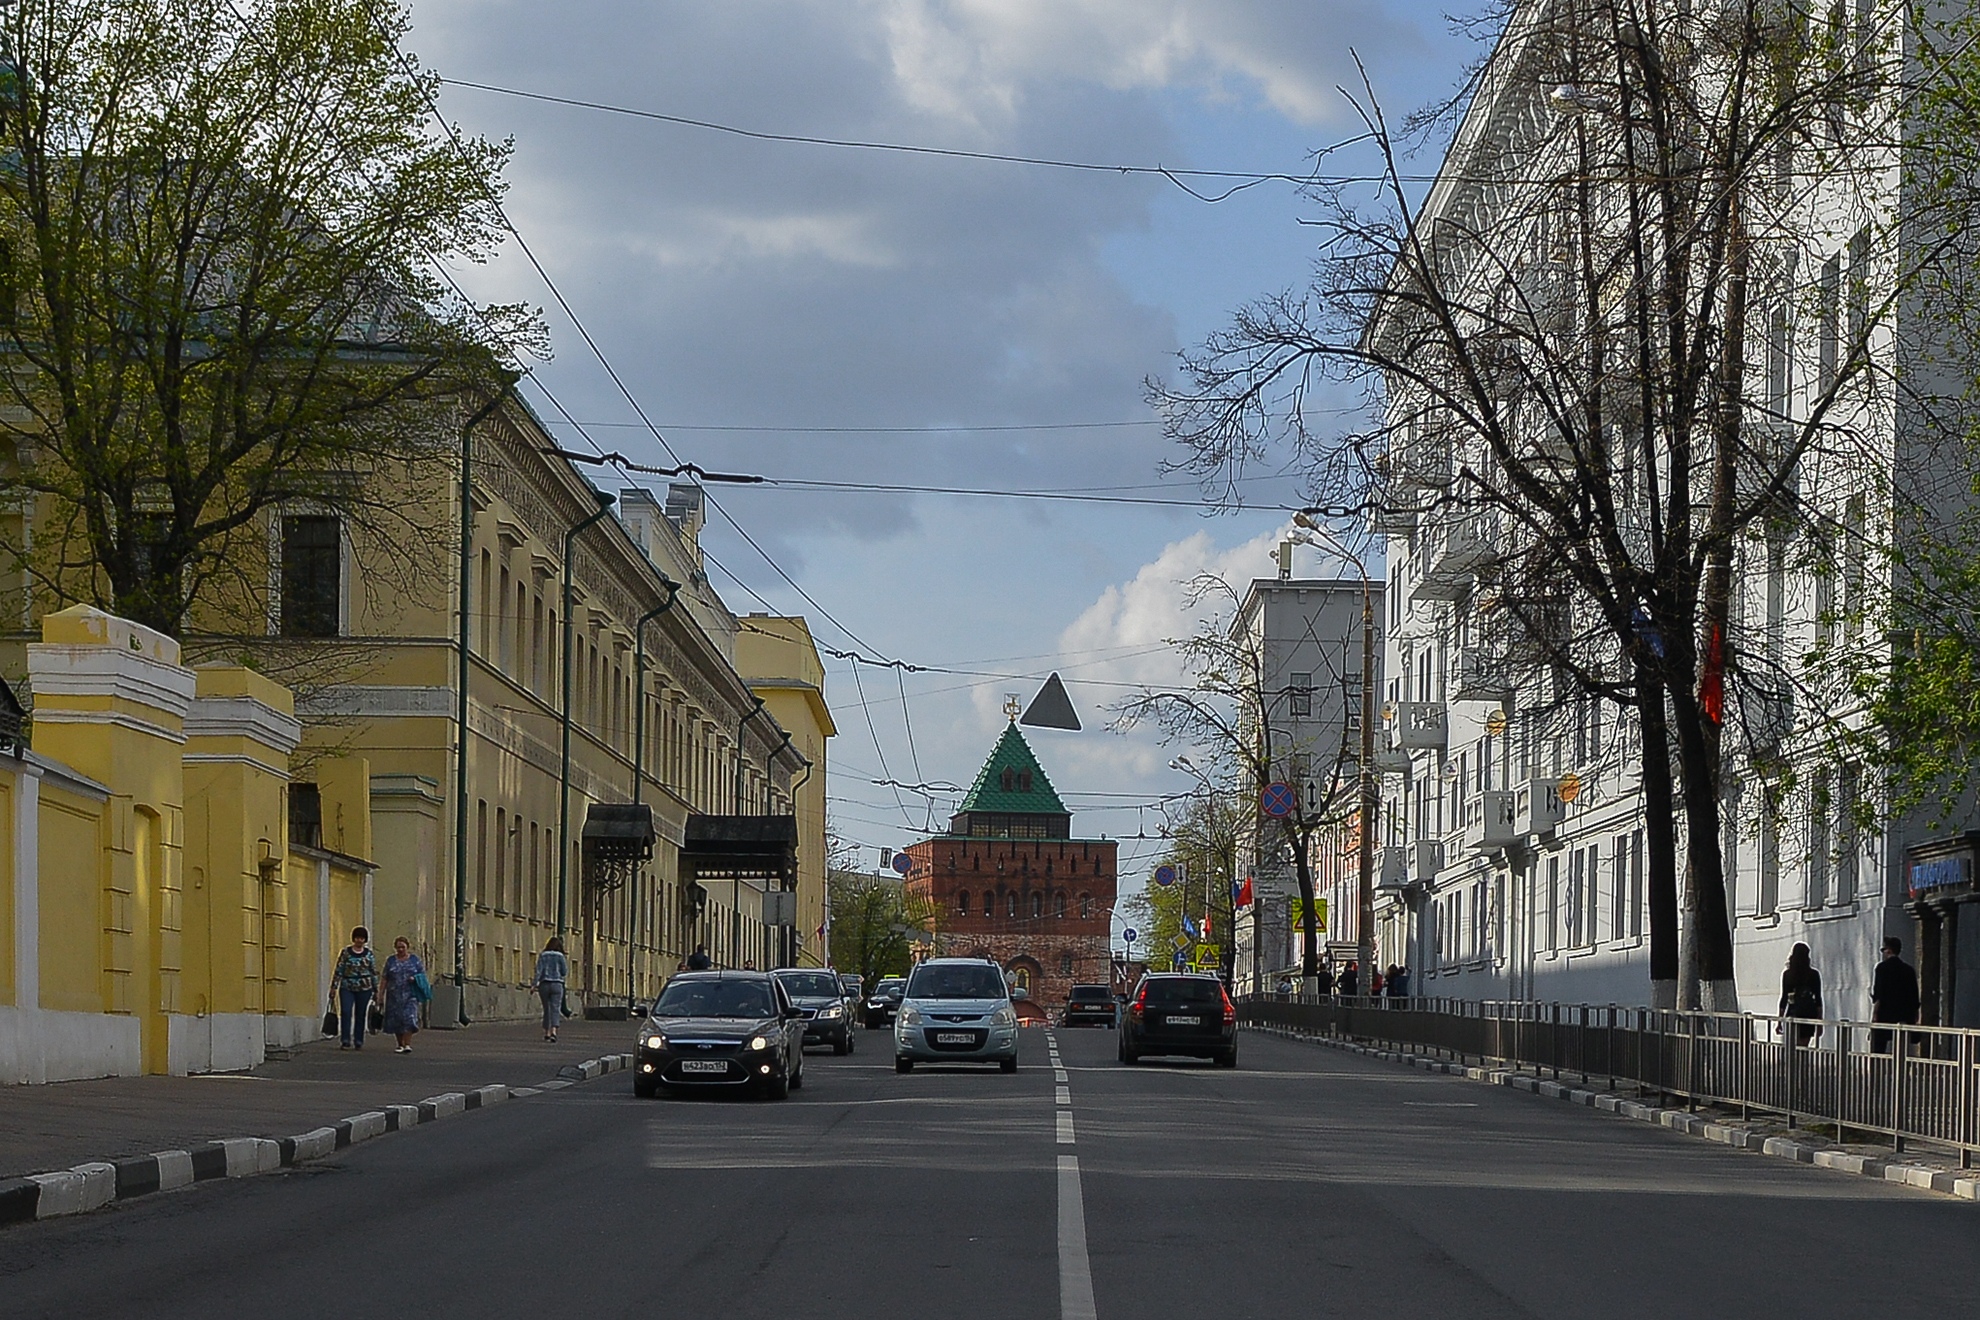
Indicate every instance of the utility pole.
{"type": "Point", "coordinates": [673, 590]}
{"type": "Point", "coordinates": [1371, 797]}
{"type": "Point", "coordinates": [605, 503]}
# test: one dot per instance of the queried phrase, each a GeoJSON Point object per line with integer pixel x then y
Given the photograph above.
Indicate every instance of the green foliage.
{"type": "Point", "coordinates": [876, 924]}
{"type": "Point", "coordinates": [222, 224]}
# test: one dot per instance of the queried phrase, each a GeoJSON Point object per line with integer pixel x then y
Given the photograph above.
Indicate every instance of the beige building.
{"type": "Point", "coordinates": [369, 640]}
{"type": "Point", "coordinates": [780, 662]}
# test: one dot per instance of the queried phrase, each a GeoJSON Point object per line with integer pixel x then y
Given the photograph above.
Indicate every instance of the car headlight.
{"type": "Point", "coordinates": [1004, 1017]}
{"type": "Point", "coordinates": [760, 1043]}
{"type": "Point", "coordinates": [910, 1017]}
{"type": "Point", "coordinates": [656, 1042]}
{"type": "Point", "coordinates": [832, 1014]}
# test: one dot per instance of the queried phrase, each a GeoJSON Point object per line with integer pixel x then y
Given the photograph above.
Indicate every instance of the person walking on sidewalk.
{"type": "Point", "coordinates": [356, 984]}
{"type": "Point", "coordinates": [404, 975]}
{"type": "Point", "coordinates": [1893, 993]}
{"type": "Point", "coordinates": [553, 970]}
{"type": "Point", "coordinates": [1801, 994]}
{"type": "Point", "coordinates": [698, 961]}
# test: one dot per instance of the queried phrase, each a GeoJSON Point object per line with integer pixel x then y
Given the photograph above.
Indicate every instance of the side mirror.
{"type": "Point", "coordinates": [793, 1013]}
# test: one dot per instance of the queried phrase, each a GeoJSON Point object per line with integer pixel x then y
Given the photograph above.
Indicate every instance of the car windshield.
{"type": "Point", "coordinates": [1183, 990]}
{"type": "Point", "coordinates": [957, 981]}
{"type": "Point", "coordinates": [888, 988]}
{"type": "Point", "coordinates": [1090, 994]}
{"type": "Point", "coordinates": [812, 985]}
{"type": "Point", "coordinates": [735, 999]}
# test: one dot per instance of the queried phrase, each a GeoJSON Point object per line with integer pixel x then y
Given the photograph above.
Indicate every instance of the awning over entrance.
{"type": "Point", "coordinates": [1939, 882]}
{"type": "Point", "coordinates": [757, 851]}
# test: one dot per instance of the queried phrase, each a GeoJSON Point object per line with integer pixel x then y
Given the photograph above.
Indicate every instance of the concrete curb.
{"type": "Point", "coordinates": [93, 1185]}
{"type": "Point", "coordinates": [1964, 1184]}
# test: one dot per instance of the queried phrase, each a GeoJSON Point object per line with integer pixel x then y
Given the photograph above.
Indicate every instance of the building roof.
{"type": "Point", "coordinates": [1012, 782]}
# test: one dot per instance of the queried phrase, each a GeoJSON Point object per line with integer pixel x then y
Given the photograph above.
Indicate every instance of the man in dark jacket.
{"type": "Point", "coordinates": [699, 961]}
{"type": "Point", "coordinates": [1893, 993]}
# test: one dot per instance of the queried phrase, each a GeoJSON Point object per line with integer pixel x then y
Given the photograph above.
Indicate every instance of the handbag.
{"type": "Point", "coordinates": [565, 1003]}
{"type": "Point", "coordinates": [374, 1017]}
{"type": "Point", "coordinates": [422, 988]}
{"type": "Point", "coordinates": [329, 1021]}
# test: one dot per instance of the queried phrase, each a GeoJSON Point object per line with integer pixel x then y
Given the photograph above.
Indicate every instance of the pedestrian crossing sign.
{"type": "Point", "coordinates": [1299, 912]}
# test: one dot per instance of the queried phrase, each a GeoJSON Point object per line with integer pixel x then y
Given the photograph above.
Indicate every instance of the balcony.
{"type": "Point", "coordinates": [1488, 821]}
{"type": "Point", "coordinates": [1391, 761]}
{"type": "Point", "coordinates": [1479, 674]}
{"type": "Point", "coordinates": [1427, 860]}
{"type": "Point", "coordinates": [1421, 726]}
{"type": "Point", "coordinates": [1537, 807]}
{"type": "Point", "coordinates": [1394, 517]}
{"type": "Point", "coordinates": [1392, 867]}
{"type": "Point", "coordinates": [1452, 554]}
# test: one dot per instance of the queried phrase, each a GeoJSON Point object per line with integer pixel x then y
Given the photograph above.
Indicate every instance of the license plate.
{"type": "Point", "coordinates": [954, 1038]}
{"type": "Point", "coordinates": [1185, 1020]}
{"type": "Point", "coordinates": [704, 1066]}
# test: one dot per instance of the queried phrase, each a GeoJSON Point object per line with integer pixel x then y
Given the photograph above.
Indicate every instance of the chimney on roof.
{"type": "Point", "coordinates": [686, 511]}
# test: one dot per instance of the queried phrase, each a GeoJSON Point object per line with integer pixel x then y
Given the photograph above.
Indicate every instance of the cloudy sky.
{"type": "Point", "coordinates": [880, 317]}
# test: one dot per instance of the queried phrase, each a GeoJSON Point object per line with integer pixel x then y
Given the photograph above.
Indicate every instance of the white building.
{"type": "Point", "coordinates": [1513, 860]}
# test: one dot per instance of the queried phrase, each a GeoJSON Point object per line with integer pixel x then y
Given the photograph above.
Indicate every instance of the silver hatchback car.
{"type": "Point", "coordinates": [956, 1010]}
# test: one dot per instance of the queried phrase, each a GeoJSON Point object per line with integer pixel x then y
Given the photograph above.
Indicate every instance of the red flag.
{"type": "Point", "coordinates": [1712, 683]}
{"type": "Point", "coordinates": [1244, 893]}
{"type": "Point", "coordinates": [1206, 925]}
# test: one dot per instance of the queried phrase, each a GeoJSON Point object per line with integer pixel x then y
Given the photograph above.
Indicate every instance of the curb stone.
{"type": "Point", "coordinates": [1963, 1184]}
{"type": "Point", "coordinates": [95, 1184]}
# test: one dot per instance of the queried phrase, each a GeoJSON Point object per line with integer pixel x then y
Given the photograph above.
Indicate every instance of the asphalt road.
{"type": "Point", "coordinates": [1306, 1183]}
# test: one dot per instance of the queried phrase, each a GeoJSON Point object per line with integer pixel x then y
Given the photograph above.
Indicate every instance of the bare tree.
{"type": "Point", "coordinates": [1645, 302]}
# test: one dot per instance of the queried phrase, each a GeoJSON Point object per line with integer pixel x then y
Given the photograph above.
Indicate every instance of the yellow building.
{"type": "Point", "coordinates": [154, 916]}
{"type": "Point", "coordinates": [365, 630]}
{"type": "Point", "coordinates": [780, 663]}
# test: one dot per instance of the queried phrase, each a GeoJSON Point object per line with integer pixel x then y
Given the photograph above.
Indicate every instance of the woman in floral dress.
{"type": "Point", "coordinates": [402, 997]}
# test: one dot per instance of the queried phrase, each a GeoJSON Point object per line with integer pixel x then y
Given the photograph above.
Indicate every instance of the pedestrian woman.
{"type": "Point", "coordinates": [404, 975]}
{"type": "Point", "coordinates": [357, 987]}
{"type": "Point", "coordinates": [1801, 994]}
{"type": "Point", "coordinates": [553, 970]}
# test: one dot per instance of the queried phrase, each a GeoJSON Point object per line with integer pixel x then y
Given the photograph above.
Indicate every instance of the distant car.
{"type": "Point", "coordinates": [884, 1002]}
{"type": "Point", "coordinates": [736, 1030]}
{"type": "Point", "coordinates": [1179, 1013]}
{"type": "Point", "coordinates": [1088, 1006]}
{"type": "Point", "coordinates": [855, 988]}
{"type": "Point", "coordinates": [956, 1010]}
{"type": "Point", "coordinates": [820, 997]}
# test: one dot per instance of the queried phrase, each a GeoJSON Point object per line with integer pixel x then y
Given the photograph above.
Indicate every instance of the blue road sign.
{"type": "Point", "coordinates": [1277, 800]}
{"type": "Point", "coordinates": [1165, 875]}
{"type": "Point", "coordinates": [903, 863]}
{"type": "Point", "coordinates": [1129, 934]}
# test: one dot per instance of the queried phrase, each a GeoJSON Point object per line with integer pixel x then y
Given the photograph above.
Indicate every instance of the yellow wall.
{"type": "Point", "coordinates": [8, 993]}
{"type": "Point", "coordinates": [780, 662]}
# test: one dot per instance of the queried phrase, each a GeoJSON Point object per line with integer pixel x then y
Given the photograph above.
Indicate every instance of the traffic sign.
{"type": "Point", "coordinates": [1129, 934]}
{"type": "Point", "coordinates": [1208, 955]}
{"type": "Point", "coordinates": [1298, 912]}
{"type": "Point", "coordinates": [1277, 800]}
{"type": "Point", "coordinates": [1180, 941]}
{"type": "Point", "coordinates": [903, 863]}
{"type": "Point", "coordinates": [1165, 875]}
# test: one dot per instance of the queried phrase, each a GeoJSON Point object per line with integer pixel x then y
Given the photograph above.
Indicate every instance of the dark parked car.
{"type": "Point", "coordinates": [820, 997]}
{"type": "Point", "coordinates": [884, 1002]}
{"type": "Point", "coordinates": [1177, 1013]}
{"type": "Point", "coordinates": [1089, 1006]}
{"type": "Point", "coordinates": [855, 989]}
{"type": "Point", "coordinates": [721, 1030]}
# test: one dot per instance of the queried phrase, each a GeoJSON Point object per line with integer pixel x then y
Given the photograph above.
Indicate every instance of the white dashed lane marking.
{"type": "Point", "coordinates": [1065, 1128]}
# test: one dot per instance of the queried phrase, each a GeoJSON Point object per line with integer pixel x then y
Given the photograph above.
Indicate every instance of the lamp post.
{"type": "Point", "coordinates": [463, 666]}
{"type": "Point", "coordinates": [673, 590]}
{"type": "Point", "coordinates": [605, 503]}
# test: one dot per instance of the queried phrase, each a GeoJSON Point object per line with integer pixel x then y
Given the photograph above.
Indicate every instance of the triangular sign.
{"type": "Point", "coordinates": [1051, 708]}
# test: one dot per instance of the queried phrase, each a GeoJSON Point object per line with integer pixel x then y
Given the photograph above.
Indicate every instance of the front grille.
{"type": "Point", "coordinates": [956, 1017]}
{"type": "Point", "coordinates": [975, 1041]}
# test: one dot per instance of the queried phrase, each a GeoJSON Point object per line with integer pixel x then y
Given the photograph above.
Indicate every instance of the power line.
{"type": "Point", "coordinates": [1241, 179]}
{"type": "Point", "coordinates": [896, 430]}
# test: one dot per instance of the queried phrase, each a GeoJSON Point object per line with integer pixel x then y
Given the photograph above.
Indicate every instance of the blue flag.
{"type": "Point", "coordinates": [1189, 927]}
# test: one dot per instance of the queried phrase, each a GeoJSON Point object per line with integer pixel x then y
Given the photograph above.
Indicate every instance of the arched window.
{"type": "Point", "coordinates": [1085, 906]}
{"type": "Point", "coordinates": [1062, 905]}
{"type": "Point", "coordinates": [962, 902]}
{"type": "Point", "coordinates": [1037, 905]}
{"type": "Point", "coordinates": [1010, 904]}
{"type": "Point", "coordinates": [989, 904]}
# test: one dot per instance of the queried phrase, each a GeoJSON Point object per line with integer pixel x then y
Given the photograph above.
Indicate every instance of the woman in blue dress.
{"type": "Point", "coordinates": [403, 973]}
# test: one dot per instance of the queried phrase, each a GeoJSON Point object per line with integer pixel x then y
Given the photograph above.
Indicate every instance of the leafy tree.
{"type": "Point", "coordinates": [877, 923]}
{"type": "Point", "coordinates": [222, 230]}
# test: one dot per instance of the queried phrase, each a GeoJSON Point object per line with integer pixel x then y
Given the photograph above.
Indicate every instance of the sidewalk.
{"type": "Point", "coordinates": [66, 1123]}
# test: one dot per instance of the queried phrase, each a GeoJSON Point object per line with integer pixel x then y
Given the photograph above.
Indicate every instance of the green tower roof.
{"type": "Point", "coordinates": [1012, 782]}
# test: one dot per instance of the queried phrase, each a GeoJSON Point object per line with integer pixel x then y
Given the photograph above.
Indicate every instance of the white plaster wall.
{"type": "Point", "coordinates": [38, 1046]}
{"type": "Point", "coordinates": [216, 1042]}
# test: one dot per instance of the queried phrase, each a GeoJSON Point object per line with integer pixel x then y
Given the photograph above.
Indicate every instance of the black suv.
{"type": "Point", "coordinates": [1177, 1013]}
{"type": "Point", "coordinates": [1089, 1006]}
{"type": "Point", "coordinates": [884, 1002]}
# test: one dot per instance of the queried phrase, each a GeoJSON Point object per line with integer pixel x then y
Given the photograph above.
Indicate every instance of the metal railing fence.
{"type": "Point", "coordinates": [1900, 1083]}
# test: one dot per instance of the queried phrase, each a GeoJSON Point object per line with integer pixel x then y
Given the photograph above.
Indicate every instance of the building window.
{"type": "Point", "coordinates": [1065, 964]}
{"type": "Point", "coordinates": [1062, 905]}
{"type": "Point", "coordinates": [1085, 906]}
{"type": "Point", "coordinates": [989, 904]}
{"type": "Point", "coordinates": [1828, 340]}
{"type": "Point", "coordinates": [962, 902]}
{"type": "Point", "coordinates": [305, 815]}
{"type": "Point", "coordinates": [1037, 905]}
{"type": "Point", "coordinates": [1821, 804]}
{"type": "Point", "coordinates": [312, 576]}
{"type": "Point", "coordinates": [1301, 696]}
{"type": "Point", "coordinates": [1010, 905]}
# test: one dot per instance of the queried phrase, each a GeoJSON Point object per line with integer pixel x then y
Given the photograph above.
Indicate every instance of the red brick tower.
{"type": "Point", "coordinates": [1008, 881]}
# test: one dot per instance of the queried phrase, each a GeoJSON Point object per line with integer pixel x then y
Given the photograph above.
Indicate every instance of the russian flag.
{"type": "Point", "coordinates": [1241, 893]}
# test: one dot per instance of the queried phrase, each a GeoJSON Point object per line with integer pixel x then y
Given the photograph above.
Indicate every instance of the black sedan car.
{"type": "Point", "coordinates": [1089, 1006]}
{"type": "Point", "coordinates": [721, 1030]}
{"type": "Point", "coordinates": [884, 1002]}
{"type": "Point", "coordinates": [820, 997]}
{"type": "Point", "coordinates": [1177, 1013]}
